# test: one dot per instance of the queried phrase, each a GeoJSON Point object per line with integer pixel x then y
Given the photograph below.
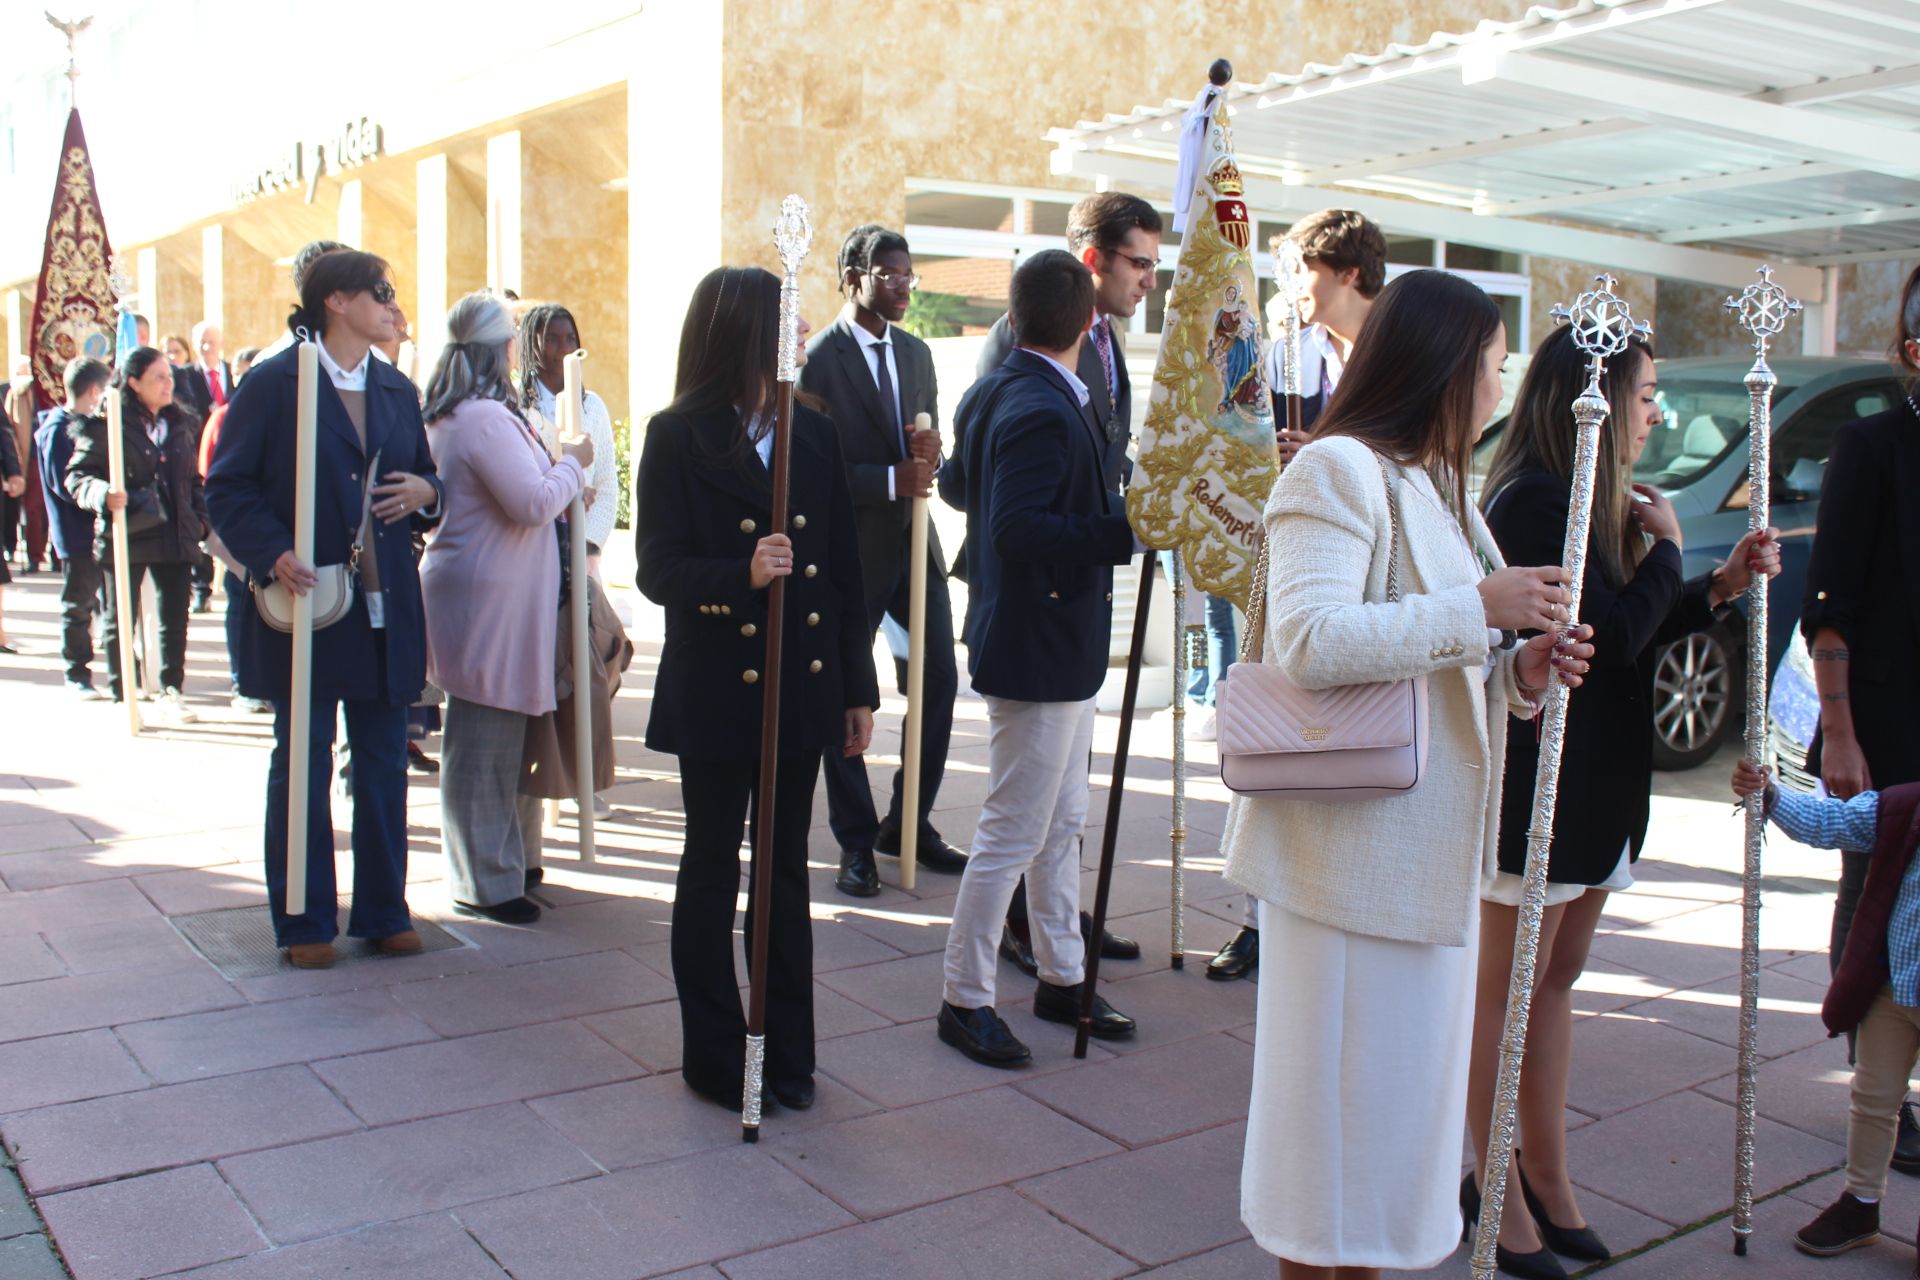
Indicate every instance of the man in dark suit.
{"type": "Point", "coordinates": [71, 524]}
{"type": "Point", "coordinates": [204, 386]}
{"type": "Point", "coordinates": [1117, 237]}
{"type": "Point", "coordinates": [875, 377]}
{"type": "Point", "coordinates": [1044, 531]}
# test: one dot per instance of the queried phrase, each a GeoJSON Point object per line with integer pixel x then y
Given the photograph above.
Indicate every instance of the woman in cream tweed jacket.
{"type": "Point", "coordinates": [1369, 908]}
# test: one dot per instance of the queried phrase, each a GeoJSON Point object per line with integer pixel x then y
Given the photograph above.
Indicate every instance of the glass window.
{"type": "Point", "coordinates": [1802, 445]}
{"type": "Point", "coordinates": [1510, 311]}
{"type": "Point", "coordinates": [1049, 219]}
{"type": "Point", "coordinates": [957, 297]}
{"type": "Point", "coordinates": [946, 209]}
{"type": "Point", "coordinates": [1409, 251]}
{"type": "Point", "coordinates": [1474, 257]}
{"type": "Point", "coordinates": [1702, 421]}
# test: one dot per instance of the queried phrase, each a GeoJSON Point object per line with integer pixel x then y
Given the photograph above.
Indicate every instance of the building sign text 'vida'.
{"type": "Point", "coordinates": [303, 164]}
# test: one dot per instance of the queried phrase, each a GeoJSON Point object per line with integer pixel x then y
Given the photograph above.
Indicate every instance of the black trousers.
{"type": "Point", "coordinates": [850, 810]}
{"type": "Point", "coordinates": [79, 601]}
{"type": "Point", "coordinates": [173, 584]}
{"type": "Point", "coordinates": [720, 798]}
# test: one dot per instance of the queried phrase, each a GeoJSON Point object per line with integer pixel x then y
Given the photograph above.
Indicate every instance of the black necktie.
{"type": "Point", "coordinates": [888, 408]}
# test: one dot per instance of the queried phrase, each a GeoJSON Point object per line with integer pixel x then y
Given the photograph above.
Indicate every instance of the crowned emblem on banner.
{"type": "Point", "coordinates": [1207, 457]}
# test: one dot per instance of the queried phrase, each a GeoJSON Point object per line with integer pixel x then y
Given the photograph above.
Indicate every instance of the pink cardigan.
{"type": "Point", "coordinates": [490, 578]}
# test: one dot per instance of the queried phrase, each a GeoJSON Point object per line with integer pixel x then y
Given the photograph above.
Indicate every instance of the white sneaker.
{"type": "Point", "coordinates": [1200, 725]}
{"type": "Point", "coordinates": [176, 707]}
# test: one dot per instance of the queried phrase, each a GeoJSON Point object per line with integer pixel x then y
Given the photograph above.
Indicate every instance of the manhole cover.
{"type": "Point", "coordinates": [239, 941]}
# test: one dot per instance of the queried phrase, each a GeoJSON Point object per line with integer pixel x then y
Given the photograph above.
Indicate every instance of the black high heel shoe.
{"type": "Point", "coordinates": [1539, 1265]}
{"type": "Point", "coordinates": [1574, 1242]}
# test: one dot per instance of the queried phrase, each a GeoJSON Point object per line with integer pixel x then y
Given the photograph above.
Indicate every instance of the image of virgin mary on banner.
{"type": "Point", "coordinates": [1207, 457]}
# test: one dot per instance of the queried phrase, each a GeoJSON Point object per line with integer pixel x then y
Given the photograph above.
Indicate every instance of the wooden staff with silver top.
{"type": "Point", "coordinates": [1763, 309]}
{"type": "Point", "coordinates": [1289, 272]}
{"type": "Point", "coordinates": [1602, 327]}
{"type": "Point", "coordinates": [1182, 669]}
{"type": "Point", "coordinates": [792, 236]}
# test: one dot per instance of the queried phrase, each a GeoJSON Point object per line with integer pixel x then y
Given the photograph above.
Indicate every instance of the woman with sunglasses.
{"type": "Point", "coordinates": [374, 484]}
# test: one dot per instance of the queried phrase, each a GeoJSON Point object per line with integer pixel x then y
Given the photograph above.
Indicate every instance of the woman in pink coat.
{"type": "Point", "coordinates": [490, 580]}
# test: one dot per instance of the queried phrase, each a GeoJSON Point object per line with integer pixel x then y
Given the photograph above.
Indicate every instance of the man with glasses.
{"type": "Point", "coordinates": [875, 377]}
{"type": "Point", "coordinates": [1117, 237]}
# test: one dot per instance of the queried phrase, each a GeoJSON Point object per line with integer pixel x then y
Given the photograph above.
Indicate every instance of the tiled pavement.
{"type": "Point", "coordinates": [512, 1107]}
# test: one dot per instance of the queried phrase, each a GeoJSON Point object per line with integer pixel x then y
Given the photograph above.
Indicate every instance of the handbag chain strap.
{"type": "Point", "coordinates": [1253, 645]}
{"type": "Point", "coordinates": [366, 514]}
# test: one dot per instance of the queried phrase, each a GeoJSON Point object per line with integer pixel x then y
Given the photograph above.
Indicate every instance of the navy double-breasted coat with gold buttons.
{"type": "Point", "coordinates": [703, 501]}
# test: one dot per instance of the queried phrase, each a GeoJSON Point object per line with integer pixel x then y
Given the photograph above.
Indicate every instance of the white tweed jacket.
{"type": "Point", "coordinates": [1406, 867]}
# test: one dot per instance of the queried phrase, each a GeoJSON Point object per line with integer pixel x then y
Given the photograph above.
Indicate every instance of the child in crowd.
{"type": "Point", "coordinates": [1875, 988]}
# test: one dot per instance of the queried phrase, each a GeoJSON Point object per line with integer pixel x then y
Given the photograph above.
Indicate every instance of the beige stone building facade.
{"type": "Point", "coordinates": [607, 154]}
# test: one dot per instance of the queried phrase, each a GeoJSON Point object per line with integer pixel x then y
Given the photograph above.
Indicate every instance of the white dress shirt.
{"type": "Point", "coordinates": [354, 379]}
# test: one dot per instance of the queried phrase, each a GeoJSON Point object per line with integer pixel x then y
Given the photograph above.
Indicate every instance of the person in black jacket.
{"type": "Point", "coordinates": [71, 525]}
{"type": "Point", "coordinates": [1044, 530]}
{"type": "Point", "coordinates": [13, 483]}
{"type": "Point", "coordinates": [1637, 602]}
{"type": "Point", "coordinates": [707, 554]}
{"type": "Point", "coordinates": [167, 513]}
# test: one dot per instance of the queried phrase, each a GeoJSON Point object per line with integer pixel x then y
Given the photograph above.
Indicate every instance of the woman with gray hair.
{"type": "Point", "coordinates": [491, 580]}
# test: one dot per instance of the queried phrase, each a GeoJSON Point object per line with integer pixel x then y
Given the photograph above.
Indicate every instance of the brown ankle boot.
{"type": "Point", "coordinates": [405, 943]}
{"type": "Point", "coordinates": [312, 955]}
{"type": "Point", "coordinates": [1845, 1224]}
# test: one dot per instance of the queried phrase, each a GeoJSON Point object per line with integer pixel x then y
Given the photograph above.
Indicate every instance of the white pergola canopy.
{"type": "Point", "coordinates": [1692, 139]}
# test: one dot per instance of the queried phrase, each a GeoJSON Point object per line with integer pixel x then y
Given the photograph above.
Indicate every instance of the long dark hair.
{"type": "Point", "coordinates": [1540, 436]}
{"type": "Point", "coordinates": [133, 367]}
{"type": "Point", "coordinates": [1407, 391]}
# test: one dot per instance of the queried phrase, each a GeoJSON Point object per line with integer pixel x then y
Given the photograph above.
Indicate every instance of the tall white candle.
{"type": "Point", "coordinates": [300, 684]}
{"type": "Point", "coordinates": [122, 583]}
{"type": "Point", "coordinates": [572, 422]}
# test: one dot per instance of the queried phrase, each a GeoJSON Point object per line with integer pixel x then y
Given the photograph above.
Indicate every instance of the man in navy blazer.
{"type": "Point", "coordinates": [70, 524]}
{"type": "Point", "coordinates": [1044, 531]}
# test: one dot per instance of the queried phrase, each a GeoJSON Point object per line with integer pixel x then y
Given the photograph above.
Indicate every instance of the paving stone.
{"type": "Point", "coordinates": [57, 1005]}
{"type": "Point", "coordinates": [16, 1211]}
{"type": "Point", "coordinates": [904, 990]}
{"type": "Point", "coordinates": [185, 893]}
{"type": "Point", "coordinates": [660, 1218]}
{"type": "Point", "coordinates": [1172, 1006]}
{"type": "Point", "coordinates": [42, 833]}
{"type": "Point", "coordinates": [1707, 1253]}
{"type": "Point", "coordinates": [477, 1071]}
{"type": "Point", "coordinates": [993, 1233]}
{"type": "Point", "coordinates": [149, 1226]}
{"type": "Point", "coordinates": [199, 1046]}
{"type": "Point", "coordinates": [910, 927]}
{"type": "Point", "coordinates": [81, 1142]}
{"type": "Point", "coordinates": [648, 1033]}
{"type": "Point", "coordinates": [337, 1184]}
{"type": "Point", "coordinates": [1789, 1012]}
{"type": "Point", "coordinates": [1155, 1204]}
{"type": "Point", "coordinates": [543, 992]}
{"type": "Point", "coordinates": [884, 1163]}
{"type": "Point", "coordinates": [1608, 1050]}
{"type": "Point", "coordinates": [841, 946]}
{"type": "Point", "coordinates": [291, 983]}
{"type": "Point", "coordinates": [1672, 1159]}
{"type": "Point", "coordinates": [70, 907]}
{"type": "Point", "coordinates": [430, 1248]}
{"type": "Point", "coordinates": [900, 1066]}
{"type": "Point", "coordinates": [27, 958]}
{"type": "Point", "coordinates": [30, 1258]}
{"type": "Point", "coordinates": [67, 1068]}
{"type": "Point", "coordinates": [148, 943]}
{"type": "Point", "coordinates": [1809, 1090]}
{"type": "Point", "coordinates": [1244, 1260]}
{"type": "Point", "coordinates": [110, 860]}
{"type": "Point", "coordinates": [1127, 1098]}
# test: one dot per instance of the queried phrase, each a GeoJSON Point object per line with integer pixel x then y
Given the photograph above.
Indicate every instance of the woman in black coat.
{"type": "Point", "coordinates": [167, 513]}
{"type": "Point", "coordinates": [1637, 601]}
{"type": "Point", "coordinates": [707, 555]}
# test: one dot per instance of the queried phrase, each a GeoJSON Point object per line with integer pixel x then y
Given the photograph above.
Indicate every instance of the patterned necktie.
{"type": "Point", "coordinates": [1103, 343]}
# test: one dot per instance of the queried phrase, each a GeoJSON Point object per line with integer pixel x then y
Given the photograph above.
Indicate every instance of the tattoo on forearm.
{"type": "Point", "coordinates": [1840, 696]}
{"type": "Point", "coordinates": [1832, 655]}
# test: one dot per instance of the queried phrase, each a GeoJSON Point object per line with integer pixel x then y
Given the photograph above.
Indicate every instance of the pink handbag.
{"type": "Point", "coordinates": [1354, 742]}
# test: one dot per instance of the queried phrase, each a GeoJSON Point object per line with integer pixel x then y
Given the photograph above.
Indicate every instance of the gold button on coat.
{"type": "Point", "coordinates": [814, 666]}
{"type": "Point", "coordinates": [747, 526]}
{"type": "Point", "coordinates": [799, 522]}
{"type": "Point", "coordinates": [812, 570]}
{"type": "Point", "coordinates": [751, 677]}
{"type": "Point", "coordinates": [749, 630]}
{"type": "Point", "coordinates": [813, 619]}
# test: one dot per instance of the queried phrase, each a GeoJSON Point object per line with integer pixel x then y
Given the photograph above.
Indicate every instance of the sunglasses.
{"type": "Point", "coordinates": [382, 292]}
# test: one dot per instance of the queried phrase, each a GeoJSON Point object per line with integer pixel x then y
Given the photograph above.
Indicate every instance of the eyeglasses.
{"type": "Point", "coordinates": [382, 292]}
{"type": "Point", "coordinates": [1139, 263]}
{"type": "Point", "coordinates": [896, 280]}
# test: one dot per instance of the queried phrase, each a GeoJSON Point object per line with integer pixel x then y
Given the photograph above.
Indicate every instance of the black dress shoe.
{"type": "Point", "coordinates": [796, 1094]}
{"type": "Point", "coordinates": [933, 852]}
{"type": "Point", "coordinates": [1238, 958]}
{"type": "Point", "coordinates": [1572, 1242]}
{"type": "Point", "coordinates": [858, 877]}
{"type": "Point", "coordinates": [512, 911]}
{"type": "Point", "coordinates": [1538, 1265]}
{"type": "Point", "coordinates": [1017, 949]}
{"type": "Point", "coordinates": [536, 876]}
{"type": "Point", "coordinates": [1906, 1143]}
{"type": "Point", "coordinates": [982, 1036]}
{"type": "Point", "coordinates": [1112, 945]}
{"type": "Point", "coordinates": [1062, 1004]}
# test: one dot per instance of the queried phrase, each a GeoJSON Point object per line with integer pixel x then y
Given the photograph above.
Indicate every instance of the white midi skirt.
{"type": "Point", "coordinates": [1358, 1113]}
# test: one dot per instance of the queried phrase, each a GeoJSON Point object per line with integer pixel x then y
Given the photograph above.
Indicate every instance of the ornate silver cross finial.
{"type": "Point", "coordinates": [120, 282]}
{"type": "Point", "coordinates": [793, 233]}
{"type": "Point", "coordinates": [1764, 309]}
{"type": "Point", "coordinates": [1602, 322]}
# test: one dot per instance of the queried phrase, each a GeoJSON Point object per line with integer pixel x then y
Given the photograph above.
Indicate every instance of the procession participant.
{"type": "Point", "coordinates": [1346, 259]}
{"type": "Point", "coordinates": [1861, 634]}
{"type": "Point", "coordinates": [706, 554]}
{"type": "Point", "coordinates": [13, 483]}
{"type": "Point", "coordinates": [71, 525]}
{"type": "Point", "coordinates": [167, 521]}
{"type": "Point", "coordinates": [1637, 603]}
{"type": "Point", "coordinates": [30, 504]}
{"type": "Point", "coordinates": [874, 379]}
{"type": "Point", "coordinates": [490, 583]}
{"type": "Point", "coordinates": [1043, 534]}
{"type": "Point", "coordinates": [372, 662]}
{"type": "Point", "coordinates": [1368, 907]}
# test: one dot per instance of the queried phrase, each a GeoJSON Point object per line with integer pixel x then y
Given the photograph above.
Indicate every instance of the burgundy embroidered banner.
{"type": "Point", "coordinates": [73, 305]}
